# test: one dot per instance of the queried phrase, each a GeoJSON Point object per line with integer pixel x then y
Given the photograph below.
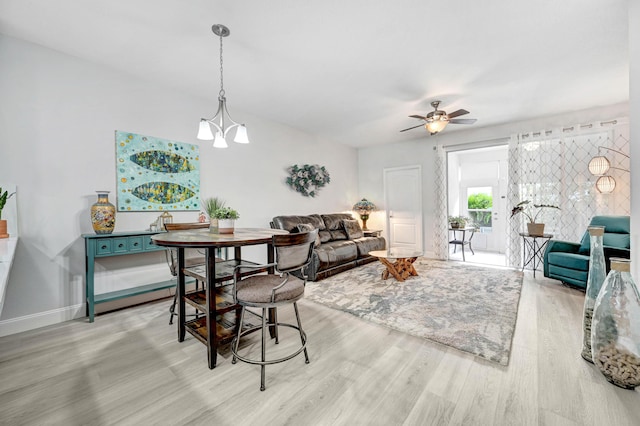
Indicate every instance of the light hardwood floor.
{"type": "Point", "coordinates": [128, 368]}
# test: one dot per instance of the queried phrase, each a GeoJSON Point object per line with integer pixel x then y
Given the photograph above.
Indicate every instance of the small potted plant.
{"type": "Point", "coordinates": [534, 228]}
{"type": "Point", "coordinates": [226, 219]}
{"type": "Point", "coordinates": [457, 222]}
{"type": "Point", "coordinates": [4, 196]}
{"type": "Point", "coordinates": [210, 205]}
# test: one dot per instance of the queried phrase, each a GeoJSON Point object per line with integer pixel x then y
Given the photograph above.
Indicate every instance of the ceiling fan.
{"type": "Point", "coordinates": [437, 120]}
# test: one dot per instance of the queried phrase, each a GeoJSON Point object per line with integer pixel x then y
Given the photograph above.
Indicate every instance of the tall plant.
{"type": "Point", "coordinates": [4, 196]}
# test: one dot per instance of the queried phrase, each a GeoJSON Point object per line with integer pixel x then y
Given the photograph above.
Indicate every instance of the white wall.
{"type": "Point", "coordinates": [634, 132]}
{"type": "Point", "coordinates": [58, 115]}
{"type": "Point", "coordinates": [372, 160]}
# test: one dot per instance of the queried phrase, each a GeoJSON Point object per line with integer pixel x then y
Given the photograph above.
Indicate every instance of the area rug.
{"type": "Point", "coordinates": [470, 308]}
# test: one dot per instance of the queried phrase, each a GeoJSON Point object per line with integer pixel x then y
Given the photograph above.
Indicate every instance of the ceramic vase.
{"type": "Point", "coordinates": [103, 214]}
{"type": "Point", "coordinates": [225, 226]}
{"type": "Point", "coordinates": [595, 279]}
{"type": "Point", "coordinates": [615, 327]}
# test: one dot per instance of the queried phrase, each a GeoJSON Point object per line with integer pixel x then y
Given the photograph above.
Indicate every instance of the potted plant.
{"type": "Point", "coordinates": [226, 219]}
{"type": "Point", "coordinates": [4, 196]}
{"type": "Point", "coordinates": [534, 228]}
{"type": "Point", "coordinates": [456, 222]}
{"type": "Point", "coordinates": [210, 205]}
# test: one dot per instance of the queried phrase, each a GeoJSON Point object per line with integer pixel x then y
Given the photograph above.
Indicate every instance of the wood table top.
{"type": "Point", "coordinates": [204, 238]}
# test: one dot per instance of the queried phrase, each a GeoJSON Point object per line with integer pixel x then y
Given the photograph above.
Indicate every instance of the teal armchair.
{"type": "Point", "coordinates": [569, 262]}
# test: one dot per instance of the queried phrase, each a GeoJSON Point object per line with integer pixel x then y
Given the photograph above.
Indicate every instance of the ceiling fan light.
{"type": "Point", "coordinates": [605, 184]}
{"type": "Point", "coordinates": [241, 135]}
{"type": "Point", "coordinates": [204, 131]}
{"type": "Point", "coordinates": [437, 125]}
{"type": "Point", "coordinates": [599, 165]}
{"type": "Point", "coordinates": [219, 141]}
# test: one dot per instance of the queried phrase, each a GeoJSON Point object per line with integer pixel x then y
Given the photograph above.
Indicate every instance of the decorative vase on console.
{"type": "Point", "coordinates": [595, 279]}
{"type": "Point", "coordinates": [615, 327]}
{"type": "Point", "coordinates": [103, 214]}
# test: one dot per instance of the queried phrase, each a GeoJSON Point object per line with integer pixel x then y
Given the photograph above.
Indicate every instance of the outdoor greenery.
{"type": "Point", "coordinates": [480, 202]}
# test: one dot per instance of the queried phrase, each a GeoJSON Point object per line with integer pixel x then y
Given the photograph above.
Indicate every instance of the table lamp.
{"type": "Point", "coordinates": [364, 207]}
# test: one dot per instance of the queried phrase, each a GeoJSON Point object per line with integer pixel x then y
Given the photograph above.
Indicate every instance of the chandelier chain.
{"type": "Point", "coordinates": [221, 94]}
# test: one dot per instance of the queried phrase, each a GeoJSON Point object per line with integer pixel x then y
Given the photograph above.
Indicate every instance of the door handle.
{"type": "Point", "coordinates": [390, 213]}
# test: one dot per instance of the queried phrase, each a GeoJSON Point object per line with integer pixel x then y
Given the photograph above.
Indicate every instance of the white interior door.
{"type": "Point", "coordinates": [403, 202]}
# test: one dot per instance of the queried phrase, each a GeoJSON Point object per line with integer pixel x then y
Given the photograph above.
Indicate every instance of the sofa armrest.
{"type": "Point", "coordinates": [557, 245]}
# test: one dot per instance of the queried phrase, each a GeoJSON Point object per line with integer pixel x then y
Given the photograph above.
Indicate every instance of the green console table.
{"type": "Point", "coordinates": [117, 244]}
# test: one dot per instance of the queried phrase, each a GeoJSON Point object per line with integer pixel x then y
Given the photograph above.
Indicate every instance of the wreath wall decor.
{"type": "Point", "coordinates": [308, 179]}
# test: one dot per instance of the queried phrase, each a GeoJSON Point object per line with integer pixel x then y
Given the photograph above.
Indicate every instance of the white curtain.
{"type": "Point", "coordinates": [441, 226]}
{"type": "Point", "coordinates": [551, 167]}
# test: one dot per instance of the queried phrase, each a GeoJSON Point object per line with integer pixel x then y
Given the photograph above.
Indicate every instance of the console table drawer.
{"type": "Point", "coordinates": [104, 247]}
{"type": "Point", "coordinates": [149, 246]}
{"type": "Point", "coordinates": [120, 245]}
{"type": "Point", "coordinates": [135, 244]}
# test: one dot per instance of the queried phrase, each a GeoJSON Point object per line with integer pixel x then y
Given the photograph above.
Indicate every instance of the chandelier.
{"type": "Point", "coordinates": [218, 120]}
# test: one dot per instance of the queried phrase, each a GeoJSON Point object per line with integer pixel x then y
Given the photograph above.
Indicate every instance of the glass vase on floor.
{"type": "Point", "coordinates": [615, 329]}
{"type": "Point", "coordinates": [597, 275]}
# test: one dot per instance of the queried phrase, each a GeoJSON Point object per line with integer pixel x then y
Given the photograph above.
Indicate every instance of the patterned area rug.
{"type": "Point", "coordinates": [469, 308]}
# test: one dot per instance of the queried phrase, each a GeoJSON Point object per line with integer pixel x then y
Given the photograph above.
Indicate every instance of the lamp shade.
{"type": "Point", "coordinates": [364, 206]}
{"type": "Point", "coordinates": [241, 135]}
{"type": "Point", "coordinates": [605, 184]}
{"type": "Point", "coordinates": [219, 141]}
{"type": "Point", "coordinates": [599, 165]}
{"type": "Point", "coordinates": [437, 125]}
{"type": "Point", "coordinates": [204, 131]}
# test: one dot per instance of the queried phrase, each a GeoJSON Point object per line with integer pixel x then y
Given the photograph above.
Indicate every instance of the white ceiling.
{"type": "Point", "coordinates": [352, 71]}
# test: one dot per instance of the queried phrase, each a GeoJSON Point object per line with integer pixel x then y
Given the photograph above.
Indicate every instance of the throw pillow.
{"type": "Point", "coordinates": [305, 227]}
{"type": "Point", "coordinates": [352, 228]}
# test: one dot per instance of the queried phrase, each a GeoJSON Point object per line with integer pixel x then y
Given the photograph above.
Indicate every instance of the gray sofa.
{"type": "Point", "coordinates": [341, 246]}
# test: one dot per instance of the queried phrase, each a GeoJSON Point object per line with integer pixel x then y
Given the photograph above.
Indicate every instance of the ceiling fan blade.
{"type": "Point", "coordinates": [417, 116]}
{"type": "Point", "coordinates": [458, 113]}
{"type": "Point", "coordinates": [414, 127]}
{"type": "Point", "coordinates": [463, 121]}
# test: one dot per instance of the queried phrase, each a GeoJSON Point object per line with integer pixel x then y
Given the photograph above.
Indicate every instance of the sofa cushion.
{"type": "Point", "coordinates": [574, 261]}
{"type": "Point", "coordinates": [288, 223]}
{"type": "Point", "coordinates": [333, 224]}
{"type": "Point", "coordinates": [336, 252]}
{"type": "Point", "coordinates": [325, 236]}
{"type": "Point", "coordinates": [352, 228]}
{"type": "Point", "coordinates": [305, 227]}
{"type": "Point", "coordinates": [367, 244]}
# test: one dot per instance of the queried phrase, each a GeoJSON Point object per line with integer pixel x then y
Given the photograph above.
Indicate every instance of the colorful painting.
{"type": "Point", "coordinates": [156, 174]}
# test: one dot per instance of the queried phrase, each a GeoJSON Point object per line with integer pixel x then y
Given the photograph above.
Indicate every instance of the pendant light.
{"type": "Point", "coordinates": [218, 120]}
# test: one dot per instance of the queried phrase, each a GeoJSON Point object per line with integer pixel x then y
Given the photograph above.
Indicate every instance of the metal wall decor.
{"type": "Point", "coordinates": [307, 179]}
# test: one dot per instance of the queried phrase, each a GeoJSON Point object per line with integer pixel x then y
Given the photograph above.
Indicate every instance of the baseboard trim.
{"type": "Point", "coordinates": [41, 319]}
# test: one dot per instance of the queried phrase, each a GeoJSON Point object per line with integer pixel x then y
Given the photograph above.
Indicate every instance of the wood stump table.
{"type": "Point", "coordinates": [402, 268]}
